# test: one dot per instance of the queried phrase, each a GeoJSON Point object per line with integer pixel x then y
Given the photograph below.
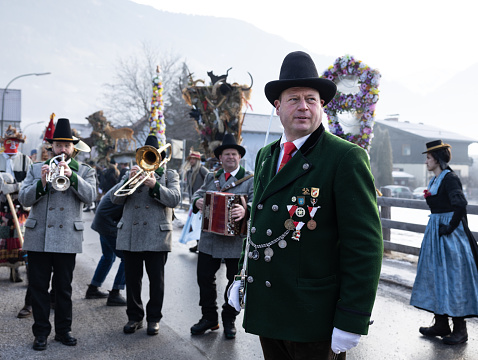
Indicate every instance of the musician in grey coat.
{"type": "Point", "coordinates": [232, 178]}
{"type": "Point", "coordinates": [54, 235]}
{"type": "Point", "coordinates": [145, 235]}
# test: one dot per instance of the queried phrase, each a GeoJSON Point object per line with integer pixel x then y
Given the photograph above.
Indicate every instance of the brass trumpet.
{"type": "Point", "coordinates": [148, 159]}
{"type": "Point", "coordinates": [56, 174]}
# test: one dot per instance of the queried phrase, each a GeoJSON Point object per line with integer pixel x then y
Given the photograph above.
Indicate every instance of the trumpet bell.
{"type": "Point", "coordinates": [60, 183]}
{"type": "Point", "coordinates": [148, 158]}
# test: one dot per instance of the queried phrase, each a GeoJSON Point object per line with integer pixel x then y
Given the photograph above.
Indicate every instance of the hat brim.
{"type": "Point", "coordinates": [325, 87]}
{"type": "Point", "coordinates": [218, 151]}
{"type": "Point", "coordinates": [63, 140]}
{"type": "Point", "coordinates": [436, 148]}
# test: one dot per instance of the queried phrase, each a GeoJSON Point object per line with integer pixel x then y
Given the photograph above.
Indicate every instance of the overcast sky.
{"type": "Point", "coordinates": [419, 43]}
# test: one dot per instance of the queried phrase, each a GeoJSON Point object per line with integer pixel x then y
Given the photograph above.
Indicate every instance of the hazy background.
{"type": "Point", "coordinates": [425, 52]}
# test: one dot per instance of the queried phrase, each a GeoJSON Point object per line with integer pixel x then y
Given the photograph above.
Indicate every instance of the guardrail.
{"type": "Point", "coordinates": [386, 203]}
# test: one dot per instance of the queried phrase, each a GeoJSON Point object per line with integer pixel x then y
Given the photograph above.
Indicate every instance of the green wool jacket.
{"type": "Point", "coordinates": [329, 276]}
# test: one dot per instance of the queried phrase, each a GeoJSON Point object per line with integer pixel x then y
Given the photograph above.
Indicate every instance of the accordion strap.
{"type": "Point", "coordinates": [235, 183]}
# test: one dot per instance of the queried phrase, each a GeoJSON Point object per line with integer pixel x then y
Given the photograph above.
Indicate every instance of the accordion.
{"type": "Point", "coordinates": [217, 214]}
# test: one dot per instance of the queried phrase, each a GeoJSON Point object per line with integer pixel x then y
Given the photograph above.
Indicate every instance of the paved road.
{"type": "Point", "coordinates": [98, 327]}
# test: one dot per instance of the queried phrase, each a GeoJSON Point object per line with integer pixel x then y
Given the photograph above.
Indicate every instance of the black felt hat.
{"type": "Point", "coordinates": [63, 132]}
{"type": "Point", "coordinates": [152, 140]}
{"type": "Point", "coordinates": [229, 142]}
{"type": "Point", "coordinates": [435, 145]}
{"type": "Point", "coordinates": [298, 70]}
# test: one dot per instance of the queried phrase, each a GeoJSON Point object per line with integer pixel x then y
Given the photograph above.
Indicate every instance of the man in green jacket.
{"type": "Point", "coordinates": [313, 253]}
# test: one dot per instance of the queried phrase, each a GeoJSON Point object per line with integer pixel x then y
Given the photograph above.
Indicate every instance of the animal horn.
{"type": "Point", "coordinates": [252, 82]}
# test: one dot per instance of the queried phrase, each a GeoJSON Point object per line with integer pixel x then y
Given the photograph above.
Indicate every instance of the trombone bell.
{"type": "Point", "coordinates": [148, 159]}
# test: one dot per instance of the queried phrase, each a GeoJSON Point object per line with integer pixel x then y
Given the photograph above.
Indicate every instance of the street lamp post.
{"type": "Point", "coordinates": [5, 91]}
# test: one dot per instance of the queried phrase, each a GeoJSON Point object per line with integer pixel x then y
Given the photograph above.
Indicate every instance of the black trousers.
{"type": "Point", "coordinates": [40, 267]}
{"type": "Point", "coordinates": [274, 349]}
{"type": "Point", "coordinates": [154, 262]}
{"type": "Point", "coordinates": [206, 276]}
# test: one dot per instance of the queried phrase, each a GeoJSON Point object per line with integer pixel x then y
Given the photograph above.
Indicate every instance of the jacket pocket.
{"type": "Point", "coordinates": [30, 223]}
{"type": "Point", "coordinates": [79, 226]}
{"type": "Point", "coordinates": [166, 227]}
{"type": "Point", "coordinates": [120, 225]}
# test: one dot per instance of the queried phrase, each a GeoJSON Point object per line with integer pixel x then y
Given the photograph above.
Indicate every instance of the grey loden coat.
{"type": "Point", "coordinates": [220, 246]}
{"type": "Point", "coordinates": [55, 222]}
{"type": "Point", "coordinates": [147, 221]}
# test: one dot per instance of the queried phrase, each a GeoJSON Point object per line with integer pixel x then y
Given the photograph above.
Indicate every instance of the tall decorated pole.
{"type": "Point", "coordinates": [157, 126]}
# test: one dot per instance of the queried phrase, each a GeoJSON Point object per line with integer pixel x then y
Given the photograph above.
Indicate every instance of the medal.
{"type": "Point", "coordinates": [305, 191]}
{"type": "Point", "coordinates": [296, 234]}
{"type": "Point", "coordinates": [282, 244]}
{"type": "Point", "coordinates": [311, 224]}
{"type": "Point", "coordinates": [314, 192]}
{"type": "Point", "coordinates": [289, 224]}
{"type": "Point", "coordinates": [294, 199]}
{"type": "Point", "coordinates": [301, 200]}
{"type": "Point", "coordinates": [300, 212]}
{"type": "Point", "coordinates": [268, 252]}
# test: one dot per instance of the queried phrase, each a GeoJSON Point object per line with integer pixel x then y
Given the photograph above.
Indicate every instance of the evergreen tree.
{"type": "Point", "coordinates": [381, 157]}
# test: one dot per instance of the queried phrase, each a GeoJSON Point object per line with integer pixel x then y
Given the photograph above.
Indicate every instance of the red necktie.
{"type": "Point", "coordinates": [289, 148]}
{"type": "Point", "coordinates": [227, 175]}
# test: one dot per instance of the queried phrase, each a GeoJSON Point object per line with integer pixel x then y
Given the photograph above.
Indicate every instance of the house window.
{"type": "Point", "coordinates": [406, 150]}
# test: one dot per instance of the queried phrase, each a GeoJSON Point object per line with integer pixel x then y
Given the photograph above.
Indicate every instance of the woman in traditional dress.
{"type": "Point", "coordinates": [447, 273]}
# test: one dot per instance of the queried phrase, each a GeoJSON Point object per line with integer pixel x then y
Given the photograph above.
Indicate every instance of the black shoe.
{"type": "Point", "coordinates": [153, 328]}
{"type": "Point", "coordinates": [459, 334]}
{"type": "Point", "coordinates": [25, 312]}
{"type": "Point", "coordinates": [94, 293]}
{"type": "Point", "coordinates": [66, 339]}
{"type": "Point", "coordinates": [440, 328]}
{"type": "Point", "coordinates": [132, 326]}
{"type": "Point", "coordinates": [115, 299]}
{"type": "Point", "coordinates": [15, 275]}
{"type": "Point", "coordinates": [229, 329]}
{"type": "Point", "coordinates": [39, 343]}
{"type": "Point", "coordinates": [194, 249]}
{"type": "Point", "coordinates": [203, 325]}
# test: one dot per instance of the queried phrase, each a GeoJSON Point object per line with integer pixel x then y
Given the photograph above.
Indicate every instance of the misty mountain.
{"type": "Point", "coordinates": [80, 43]}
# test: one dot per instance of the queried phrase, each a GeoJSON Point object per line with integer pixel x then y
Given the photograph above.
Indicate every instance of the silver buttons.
{"type": "Point", "coordinates": [305, 166]}
{"type": "Point", "coordinates": [253, 230]}
{"type": "Point", "coordinates": [275, 208]}
{"type": "Point", "coordinates": [268, 284]}
{"type": "Point", "coordinates": [250, 279]}
{"type": "Point", "coordinates": [260, 206]}
{"type": "Point", "coordinates": [269, 232]}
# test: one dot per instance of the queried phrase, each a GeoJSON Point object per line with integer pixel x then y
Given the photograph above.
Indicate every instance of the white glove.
{"type": "Point", "coordinates": [343, 341]}
{"type": "Point", "coordinates": [233, 295]}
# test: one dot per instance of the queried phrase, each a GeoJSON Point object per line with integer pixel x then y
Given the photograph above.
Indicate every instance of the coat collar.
{"type": "Point", "coordinates": [240, 174]}
{"type": "Point", "coordinates": [300, 165]}
{"type": "Point", "coordinates": [309, 143]}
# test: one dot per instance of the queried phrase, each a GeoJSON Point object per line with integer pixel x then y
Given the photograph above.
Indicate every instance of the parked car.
{"type": "Point", "coordinates": [400, 191]}
{"type": "Point", "coordinates": [418, 192]}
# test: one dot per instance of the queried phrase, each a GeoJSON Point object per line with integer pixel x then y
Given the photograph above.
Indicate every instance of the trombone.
{"type": "Point", "coordinates": [56, 174]}
{"type": "Point", "coordinates": [148, 159]}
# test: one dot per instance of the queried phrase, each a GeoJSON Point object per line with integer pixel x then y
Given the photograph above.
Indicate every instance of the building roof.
{"type": "Point", "coordinates": [425, 131]}
{"type": "Point", "coordinates": [255, 123]}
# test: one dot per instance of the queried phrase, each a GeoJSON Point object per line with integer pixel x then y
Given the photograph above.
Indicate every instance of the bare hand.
{"type": "Point", "coordinates": [133, 171]}
{"type": "Point", "coordinates": [150, 181]}
{"type": "Point", "coordinates": [199, 204]}
{"type": "Point", "coordinates": [66, 168]}
{"type": "Point", "coordinates": [238, 212]}
{"type": "Point", "coordinates": [44, 171]}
